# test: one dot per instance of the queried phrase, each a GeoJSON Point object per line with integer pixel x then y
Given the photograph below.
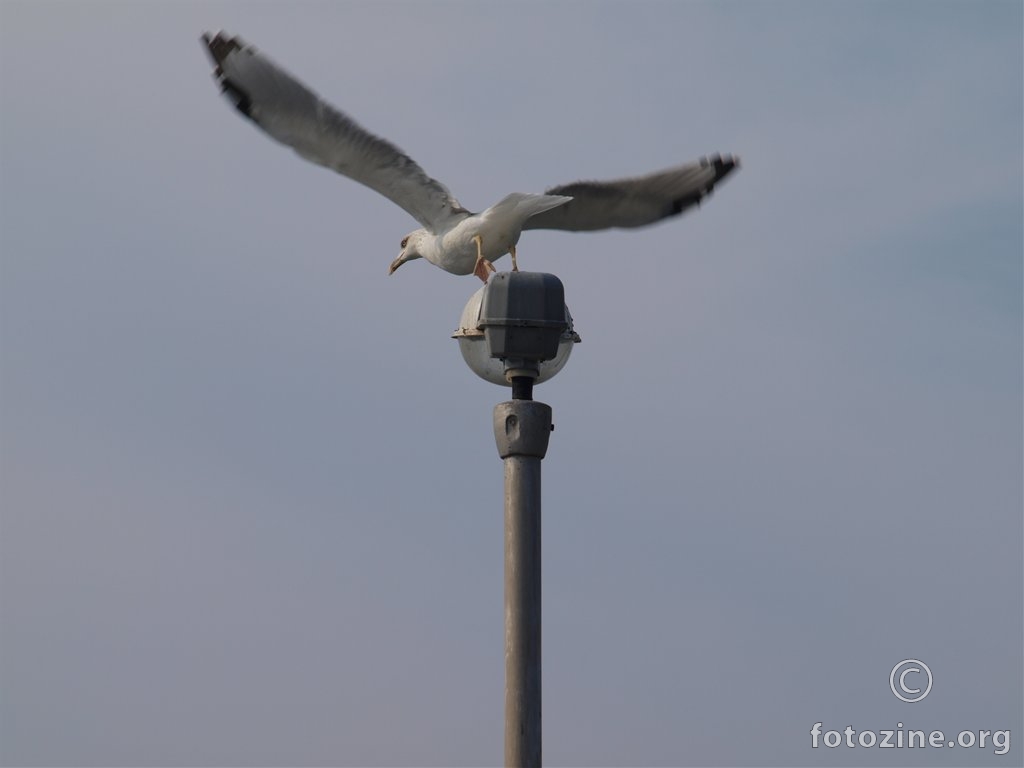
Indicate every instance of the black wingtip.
{"type": "Point", "coordinates": [220, 46]}
{"type": "Point", "coordinates": [724, 165]}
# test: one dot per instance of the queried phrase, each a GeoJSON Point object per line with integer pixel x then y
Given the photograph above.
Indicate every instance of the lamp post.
{"type": "Point", "coordinates": [517, 331]}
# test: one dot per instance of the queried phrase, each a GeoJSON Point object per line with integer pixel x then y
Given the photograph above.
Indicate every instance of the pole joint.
{"type": "Point", "coordinates": [522, 428]}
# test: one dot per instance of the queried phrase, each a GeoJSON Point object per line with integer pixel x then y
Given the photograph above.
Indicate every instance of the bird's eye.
{"type": "Point", "coordinates": [405, 240]}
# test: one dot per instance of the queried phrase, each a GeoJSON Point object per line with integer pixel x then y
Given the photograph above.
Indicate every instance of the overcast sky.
{"type": "Point", "coordinates": [251, 502]}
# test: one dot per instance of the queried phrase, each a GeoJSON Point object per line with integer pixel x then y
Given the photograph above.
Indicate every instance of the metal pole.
{"type": "Point", "coordinates": [521, 431]}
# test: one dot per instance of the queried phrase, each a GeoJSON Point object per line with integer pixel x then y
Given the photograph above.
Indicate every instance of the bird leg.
{"type": "Point", "coordinates": [483, 267]}
{"type": "Point", "coordinates": [512, 253]}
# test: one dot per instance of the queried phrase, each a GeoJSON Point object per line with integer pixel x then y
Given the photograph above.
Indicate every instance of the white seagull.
{"type": "Point", "coordinates": [452, 238]}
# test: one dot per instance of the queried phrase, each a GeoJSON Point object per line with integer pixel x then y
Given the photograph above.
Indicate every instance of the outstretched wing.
{"type": "Point", "coordinates": [294, 115]}
{"type": "Point", "coordinates": [634, 202]}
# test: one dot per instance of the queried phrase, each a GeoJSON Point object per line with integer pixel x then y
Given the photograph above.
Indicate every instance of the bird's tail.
{"type": "Point", "coordinates": [523, 205]}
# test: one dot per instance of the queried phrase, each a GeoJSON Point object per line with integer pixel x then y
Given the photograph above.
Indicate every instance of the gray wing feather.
{"type": "Point", "coordinates": [294, 115]}
{"type": "Point", "coordinates": [634, 202]}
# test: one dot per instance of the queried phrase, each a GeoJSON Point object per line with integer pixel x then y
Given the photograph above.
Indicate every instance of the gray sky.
{"type": "Point", "coordinates": [251, 503]}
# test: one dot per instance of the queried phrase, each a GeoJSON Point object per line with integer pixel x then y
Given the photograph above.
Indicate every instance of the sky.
{"type": "Point", "coordinates": [250, 501]}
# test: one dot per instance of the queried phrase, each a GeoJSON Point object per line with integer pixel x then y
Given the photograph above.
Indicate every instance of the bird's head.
{"type": "Point", "coordinates": [410, 249]}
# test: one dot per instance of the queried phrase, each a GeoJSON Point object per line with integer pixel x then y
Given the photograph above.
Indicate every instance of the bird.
{"type": "Point", "coordinates": [450, 236]}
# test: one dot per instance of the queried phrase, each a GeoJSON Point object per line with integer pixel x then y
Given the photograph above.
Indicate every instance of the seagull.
{"type": "Point", "coordinates": [451, 237]}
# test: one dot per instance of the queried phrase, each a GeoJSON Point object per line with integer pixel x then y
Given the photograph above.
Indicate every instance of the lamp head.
{"type": "Point", "coordinates": [517, 325]}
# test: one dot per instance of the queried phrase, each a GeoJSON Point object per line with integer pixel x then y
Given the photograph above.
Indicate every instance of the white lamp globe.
{"type": "Point", "coordinates": [478, 356]}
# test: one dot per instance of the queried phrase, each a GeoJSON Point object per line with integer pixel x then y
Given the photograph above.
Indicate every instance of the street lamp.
{"type": "Point", "coordinates": [518, 307]}
{"type": "Point", "coordinates": [516, 330]}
